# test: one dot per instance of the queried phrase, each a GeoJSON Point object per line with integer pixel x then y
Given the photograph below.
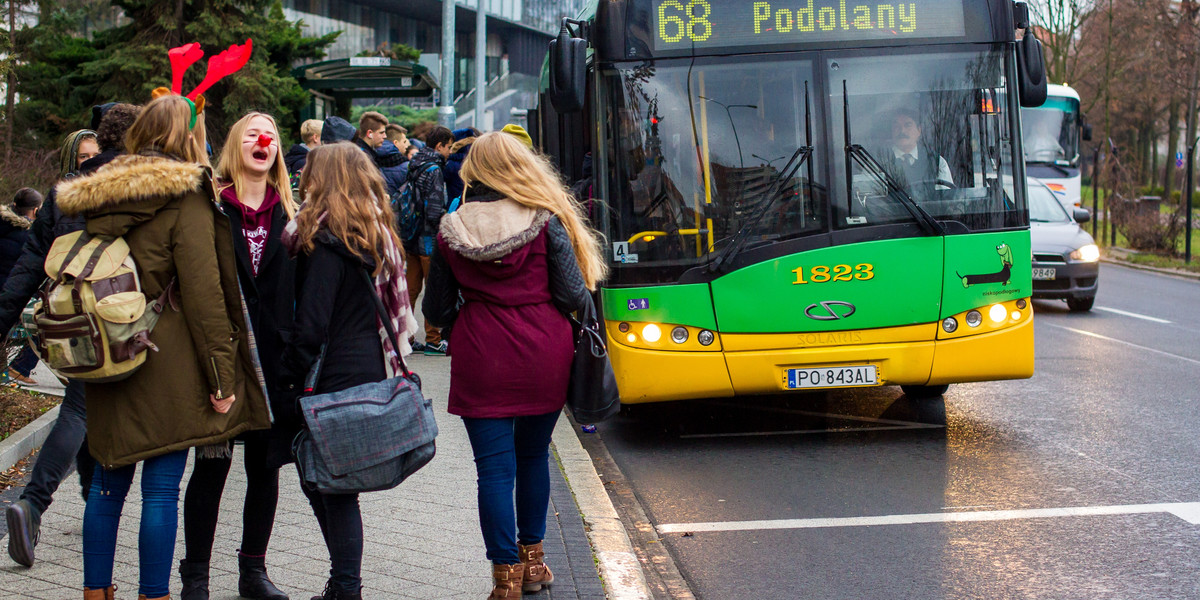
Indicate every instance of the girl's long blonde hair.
{"type": "Point", "coordinates": [163, 126]}
{"type": "Point", "coordinates": [502, 163]}
{"type": "Point", "coordinates": [339, 181]}
{"type": "Point", "coordinates": [231, 169]}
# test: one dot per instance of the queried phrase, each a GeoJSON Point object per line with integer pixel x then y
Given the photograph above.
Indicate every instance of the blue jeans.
{"type": "Point", "coordinates": [160, 518]}
{"type": "Point", "coordinates": [512, 453]}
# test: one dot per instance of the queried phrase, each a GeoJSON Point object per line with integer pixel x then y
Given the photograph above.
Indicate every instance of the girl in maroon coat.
{"type": "Point", "coordinates": [521, 257]}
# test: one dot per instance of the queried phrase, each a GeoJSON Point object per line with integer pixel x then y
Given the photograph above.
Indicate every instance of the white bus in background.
{"type": "Point", "coordinates": [1051, 135]}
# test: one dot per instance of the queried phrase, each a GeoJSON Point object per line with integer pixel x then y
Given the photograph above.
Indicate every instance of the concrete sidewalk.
{"type": "Point", "coordinates": [422, 538]}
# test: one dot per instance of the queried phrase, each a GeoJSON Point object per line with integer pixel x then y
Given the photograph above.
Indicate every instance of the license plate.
{"type": "Point", "coordinates": [824, 377]}
{"type": "Point", "coordinates": [1044, 274]}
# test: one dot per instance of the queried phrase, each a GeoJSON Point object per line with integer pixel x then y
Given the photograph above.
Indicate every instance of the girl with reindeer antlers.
{"type": "Point", "coordinates": [201, 386]}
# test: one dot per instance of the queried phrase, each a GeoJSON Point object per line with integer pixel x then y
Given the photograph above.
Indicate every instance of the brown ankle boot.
{"type": "Point", "coordinates": [100, 594]}
{"type": "Point", "coordinates": [506, 581]}
{"type": "Point", "coordinates": [537, 574]}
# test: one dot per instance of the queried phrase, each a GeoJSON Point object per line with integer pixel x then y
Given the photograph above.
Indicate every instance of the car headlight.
{"type": "Point", "coordinates": [1088, 253]}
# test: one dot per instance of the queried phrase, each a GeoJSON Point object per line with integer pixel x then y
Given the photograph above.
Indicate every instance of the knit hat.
{"type": "Point", "coordinates": [337, 129]}
{"type": "Point", "coordinates": [519, 132]}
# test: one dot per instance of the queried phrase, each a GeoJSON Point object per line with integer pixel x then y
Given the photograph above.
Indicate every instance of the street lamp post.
{"type": "Point", "coordinates": [1187, 231]}
{"type": "Point", "coordinates": [446, 116]}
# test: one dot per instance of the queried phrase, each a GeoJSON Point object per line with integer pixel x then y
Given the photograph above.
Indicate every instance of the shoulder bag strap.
{"type": "Point", "coordinates": [385, 319]}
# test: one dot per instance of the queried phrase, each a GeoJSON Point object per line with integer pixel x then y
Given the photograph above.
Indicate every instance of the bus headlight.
{"type": "Point", "coordinates": [974, 318]}
{"type": "Point", "coordinates": [998, 313]}
{"type": "Point", "coordinates": [651, 333]}
{"type": "Point", "coordinates": [679, 335]}
{"type": "Point", "coordinates": [705, 337]}
{"type": "Point", "coordinates": [1088, 253]}
{"type": "Point", "coordinates": [950, 325]}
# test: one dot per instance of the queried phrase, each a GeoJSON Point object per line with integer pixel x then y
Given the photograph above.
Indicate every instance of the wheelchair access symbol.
{"type": "Point", "coordinates": [638, 303]}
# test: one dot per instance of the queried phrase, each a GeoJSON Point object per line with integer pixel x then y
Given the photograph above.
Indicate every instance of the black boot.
{"type": "Point", "coordinates": [253, 582]}
{"type": "Point", "coordinates": [194, 576]}
{"type": "Point", "coordinates": [332, 594]}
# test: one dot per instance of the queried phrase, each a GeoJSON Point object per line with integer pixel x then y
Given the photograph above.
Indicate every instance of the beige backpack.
{"type": "Point", "coordinates": [91, 320]}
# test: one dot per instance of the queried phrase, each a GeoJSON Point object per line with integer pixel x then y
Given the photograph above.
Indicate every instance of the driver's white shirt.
{"type": "Point", "coordinates": [943, 173]}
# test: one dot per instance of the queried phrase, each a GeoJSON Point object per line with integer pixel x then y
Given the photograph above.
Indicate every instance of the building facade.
{"type": "Point", "coordinates": [518, 31]}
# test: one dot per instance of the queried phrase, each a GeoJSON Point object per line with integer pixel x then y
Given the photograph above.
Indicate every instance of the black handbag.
{"type": "Point", "coordinates": [592, 393]}
{"type": "Point", "coordinates": [369, 437]}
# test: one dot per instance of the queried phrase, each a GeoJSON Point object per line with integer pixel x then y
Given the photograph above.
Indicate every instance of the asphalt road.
{"type": "Point", "coordinates": [868, 494]}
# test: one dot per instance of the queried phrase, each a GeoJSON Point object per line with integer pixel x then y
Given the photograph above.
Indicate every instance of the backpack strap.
{"type": "Point", "coordinates": [76, 299]}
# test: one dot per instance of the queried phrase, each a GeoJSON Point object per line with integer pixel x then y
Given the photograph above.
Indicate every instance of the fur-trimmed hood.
{"type": "Point", "coordinates": [130, 179]}
{"type": "Point", "coordinates": [492, 228]}
{"type": "Point", "coordinates": [12, 218]}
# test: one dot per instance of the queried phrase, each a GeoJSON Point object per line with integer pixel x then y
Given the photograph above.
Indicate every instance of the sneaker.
{"type": "Point", "coordinates": [13, 375]}
{"type": "Point", "coordinates": [24, 521]}
{"type": "Point", "coordinates": [416, 346]}
{"type": "Point", "coordinates": [439, 349]}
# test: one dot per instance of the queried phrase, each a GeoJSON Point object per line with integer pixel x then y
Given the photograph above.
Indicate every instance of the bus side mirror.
{"type": "Point", "coordinates": [1031, 71]}
{"type": "Point", "coordinates": [1081, 215]}
{"type": "Point", "coordinates": [568, 72]}
{"type": "Point", "coordinates": [1087, 132]}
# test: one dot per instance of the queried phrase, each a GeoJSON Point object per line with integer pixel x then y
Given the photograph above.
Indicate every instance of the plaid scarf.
{"type": "Point", "coordinates": [392, 289]}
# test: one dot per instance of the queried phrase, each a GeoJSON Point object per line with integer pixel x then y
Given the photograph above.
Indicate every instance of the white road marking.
{"type": "Point", "coordinates": [1131, 314]}
{"type": "Point", "coordinates": [1188, 511]}
{"type": "Point", "coordinates": [1131, 344]}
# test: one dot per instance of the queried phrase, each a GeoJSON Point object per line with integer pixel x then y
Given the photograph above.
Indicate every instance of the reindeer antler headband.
{"type": "Point", "coordinates": [219, 67]}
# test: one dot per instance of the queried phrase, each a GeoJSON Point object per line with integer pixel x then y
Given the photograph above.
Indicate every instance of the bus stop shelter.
{"type": "Point", "coordinates": [334, 83]}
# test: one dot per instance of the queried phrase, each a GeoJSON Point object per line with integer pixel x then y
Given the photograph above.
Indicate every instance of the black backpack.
{"type": "Point", "coordinates": [409, 207]}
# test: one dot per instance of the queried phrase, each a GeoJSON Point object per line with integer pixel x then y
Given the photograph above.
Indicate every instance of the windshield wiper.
{"type": "Point", "coordinates": [803, 154]}
{"type": "Point", "coordinates": [857, 154]}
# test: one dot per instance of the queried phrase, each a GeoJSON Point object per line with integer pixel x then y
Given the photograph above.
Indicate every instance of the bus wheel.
{"type": "Point", "coordinates": [921, 392]}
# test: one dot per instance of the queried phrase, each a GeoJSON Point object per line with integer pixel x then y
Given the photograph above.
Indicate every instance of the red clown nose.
{"type": "Point", "coordinates": [264, 140]}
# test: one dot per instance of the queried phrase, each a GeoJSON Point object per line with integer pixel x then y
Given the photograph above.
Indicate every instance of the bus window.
{"type": "Point", "coordinates": [701, 150]}
{"type": "Point", "coordinates": [931, 125]}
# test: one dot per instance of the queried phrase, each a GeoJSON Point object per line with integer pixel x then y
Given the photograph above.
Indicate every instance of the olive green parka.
{"type": "Point", "coordinates": [165, 210]}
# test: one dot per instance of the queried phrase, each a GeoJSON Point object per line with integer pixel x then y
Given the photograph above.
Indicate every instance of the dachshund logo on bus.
{"type": "Point", "coordinates": [1004, 275]}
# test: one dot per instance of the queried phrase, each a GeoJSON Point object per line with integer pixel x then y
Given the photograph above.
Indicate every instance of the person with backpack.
{"type": "Point", "coordinates": [520, 255]}
{"type": "Point", "coordinates": [255, 193]}
{"type": "Point", "coordinates": [198, 385]}
{"type": "Point", "coordinates": [426, 198]}
{"type": "Point", "coordinates": [66, 442]}
{"type": "Point", "coordinates": [344, 233]}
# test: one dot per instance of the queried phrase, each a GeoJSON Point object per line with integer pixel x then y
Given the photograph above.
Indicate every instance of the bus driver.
{"type": "Point", "coordinates": [914, 164]}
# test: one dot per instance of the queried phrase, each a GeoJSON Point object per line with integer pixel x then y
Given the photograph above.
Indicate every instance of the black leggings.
{"type": "Point", "coordinates": [202, 502]}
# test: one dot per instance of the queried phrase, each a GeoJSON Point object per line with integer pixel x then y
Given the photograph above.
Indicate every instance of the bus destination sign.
{"type": "Point", "coordinates": [686, 24]}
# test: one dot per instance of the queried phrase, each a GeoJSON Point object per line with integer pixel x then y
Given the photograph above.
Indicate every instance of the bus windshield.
{"type": "Point", "coordinates": [1051, 132]}
{"type": "Point", "coordinates": [702, 152]}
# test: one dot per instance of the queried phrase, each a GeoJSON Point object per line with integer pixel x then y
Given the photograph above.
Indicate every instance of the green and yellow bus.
{"type": "Point", "coordinates": [802, 194]}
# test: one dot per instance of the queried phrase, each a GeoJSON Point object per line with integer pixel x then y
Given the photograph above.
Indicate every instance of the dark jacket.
{"type": "Point", "coordinates": [29, 271]}
{"type": "Point", "coordinates": [517, 275]}
{"type": "Point", "coordinates": [393, 176]}
{"type": "Point", "coordinates": [270, 302]}
{"type": "Point", "coordinates": [454, 164]}
{"type": "Point", "coordinates": [14, 232]}
{"type": "Point", "coordinates": [381, 160]}
{"type": "Point", "coordinates": [334, 306]}
{"type": "Point", "coordinates": [430, 189]}
{"type": "Point", "coordinates": [295, 158]}
{"type": "Point", "coordinates": [165, 211]}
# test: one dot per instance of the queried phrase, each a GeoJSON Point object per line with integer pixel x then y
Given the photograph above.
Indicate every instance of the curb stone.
{"type": "Point", "coordinates": [29, 438]}
{"type": "Point", "coordinates": [619, 565]}
{"type": "Point", "coordinates": [1160, 270]}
